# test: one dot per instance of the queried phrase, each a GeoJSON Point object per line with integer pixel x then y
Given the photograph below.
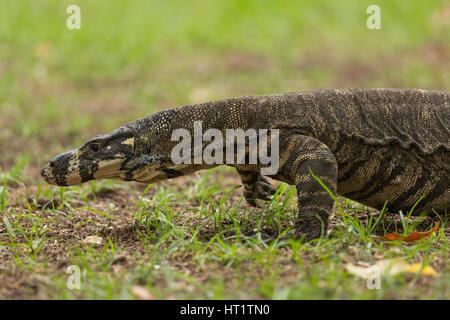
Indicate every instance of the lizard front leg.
{"type": "Point", "coordinates": [304, 155]}
{"type": "Point", "coordinates": [255, 186]}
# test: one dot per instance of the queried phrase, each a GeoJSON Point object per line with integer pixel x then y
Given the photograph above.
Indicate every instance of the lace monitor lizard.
{"type": "Point", "coordinates": [369, 145]}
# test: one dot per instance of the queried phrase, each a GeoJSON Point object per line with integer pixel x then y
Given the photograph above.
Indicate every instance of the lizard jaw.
{"type": "Point", "coordinates": [68, 170]}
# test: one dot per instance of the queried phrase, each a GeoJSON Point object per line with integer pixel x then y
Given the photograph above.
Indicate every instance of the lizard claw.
{"type": "Point", "coordinates": [265, 186]}
{"type": "Point", "coordinates": [308, 229]}
{"type": "Point", "coordinates": [265, 235]}
{"type": "Point", "coordinates": [261, 190]}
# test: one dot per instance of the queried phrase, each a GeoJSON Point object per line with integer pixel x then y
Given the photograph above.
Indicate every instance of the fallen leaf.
{"type": "Point", "coordinates": [414, 236]}
{"type": "Point", "coordinates": [389, 267]}
{"type": "Point", "coordinates": [93, 240]}
{"type": "Point", "coordinates": [361, 272]}
{"type": "Point", "coordinates": [419, 235]}
{"type": "Point", "coordinates": [384, 267]}
{"type": "Point", "coordinates": [142, 293]}
{"type": "Point", "coordinates": [392, 236]}
{"type": "Point", "coordinates": [427, 270]}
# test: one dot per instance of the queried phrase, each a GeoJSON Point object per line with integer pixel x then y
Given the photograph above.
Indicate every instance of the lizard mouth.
{"type": "Point", "coordinates": [71, 179]}
{"type": "Point", "coordinates": [68, 169]}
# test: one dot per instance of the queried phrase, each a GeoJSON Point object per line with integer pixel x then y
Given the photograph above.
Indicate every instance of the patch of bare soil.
{"type": "Point", "coordinates": [65, 233]}
{"type": "Point", "coordinates": [18, 285]}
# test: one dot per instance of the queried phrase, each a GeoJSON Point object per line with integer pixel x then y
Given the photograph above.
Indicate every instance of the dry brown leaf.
{"type": "Point", "coordinates": [392, 236]}
{"type": "Point", "coordinates": [414, 236]}
{"type": "Point", "coordinates": [419, 235]}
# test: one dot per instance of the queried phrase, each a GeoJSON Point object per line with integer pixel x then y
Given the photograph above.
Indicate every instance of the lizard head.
{"type": "Point", "coordinates": [117, 155]}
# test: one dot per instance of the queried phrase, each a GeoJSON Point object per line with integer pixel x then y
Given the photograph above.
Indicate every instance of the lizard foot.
{"type": "Point", "coordinates": [265, 234]}
{"type": "Point", "coordinates": [261, 189]}
{"type": "Point", "coordinates": [308, 229]}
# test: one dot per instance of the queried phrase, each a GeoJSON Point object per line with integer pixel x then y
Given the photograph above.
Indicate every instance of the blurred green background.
{"type": "Point", "coordinates": [132, 58]}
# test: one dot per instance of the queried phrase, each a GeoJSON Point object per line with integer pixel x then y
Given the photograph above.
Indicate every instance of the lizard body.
{"type": "Point", "coordinates": [369, 145]}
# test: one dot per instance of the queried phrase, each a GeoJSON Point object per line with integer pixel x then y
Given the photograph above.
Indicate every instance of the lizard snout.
{"type": "Point", "coordinates": [46, 173]}
{"type": "Point", "coordinates": [59, 170]}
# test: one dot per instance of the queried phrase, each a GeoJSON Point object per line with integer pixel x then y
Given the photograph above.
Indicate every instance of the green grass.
{"type": "Point", "coordinates": [177, 250]}
{"type": "Point", "coordinates": [185, 238]}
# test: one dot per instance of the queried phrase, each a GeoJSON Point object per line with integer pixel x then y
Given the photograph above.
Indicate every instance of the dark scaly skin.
{"type": "Point", "coordinates": [370, 145]}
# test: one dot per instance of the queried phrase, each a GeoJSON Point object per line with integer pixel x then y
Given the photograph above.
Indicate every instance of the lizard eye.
{"type": "Point", "coordinates": [94, 148]}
